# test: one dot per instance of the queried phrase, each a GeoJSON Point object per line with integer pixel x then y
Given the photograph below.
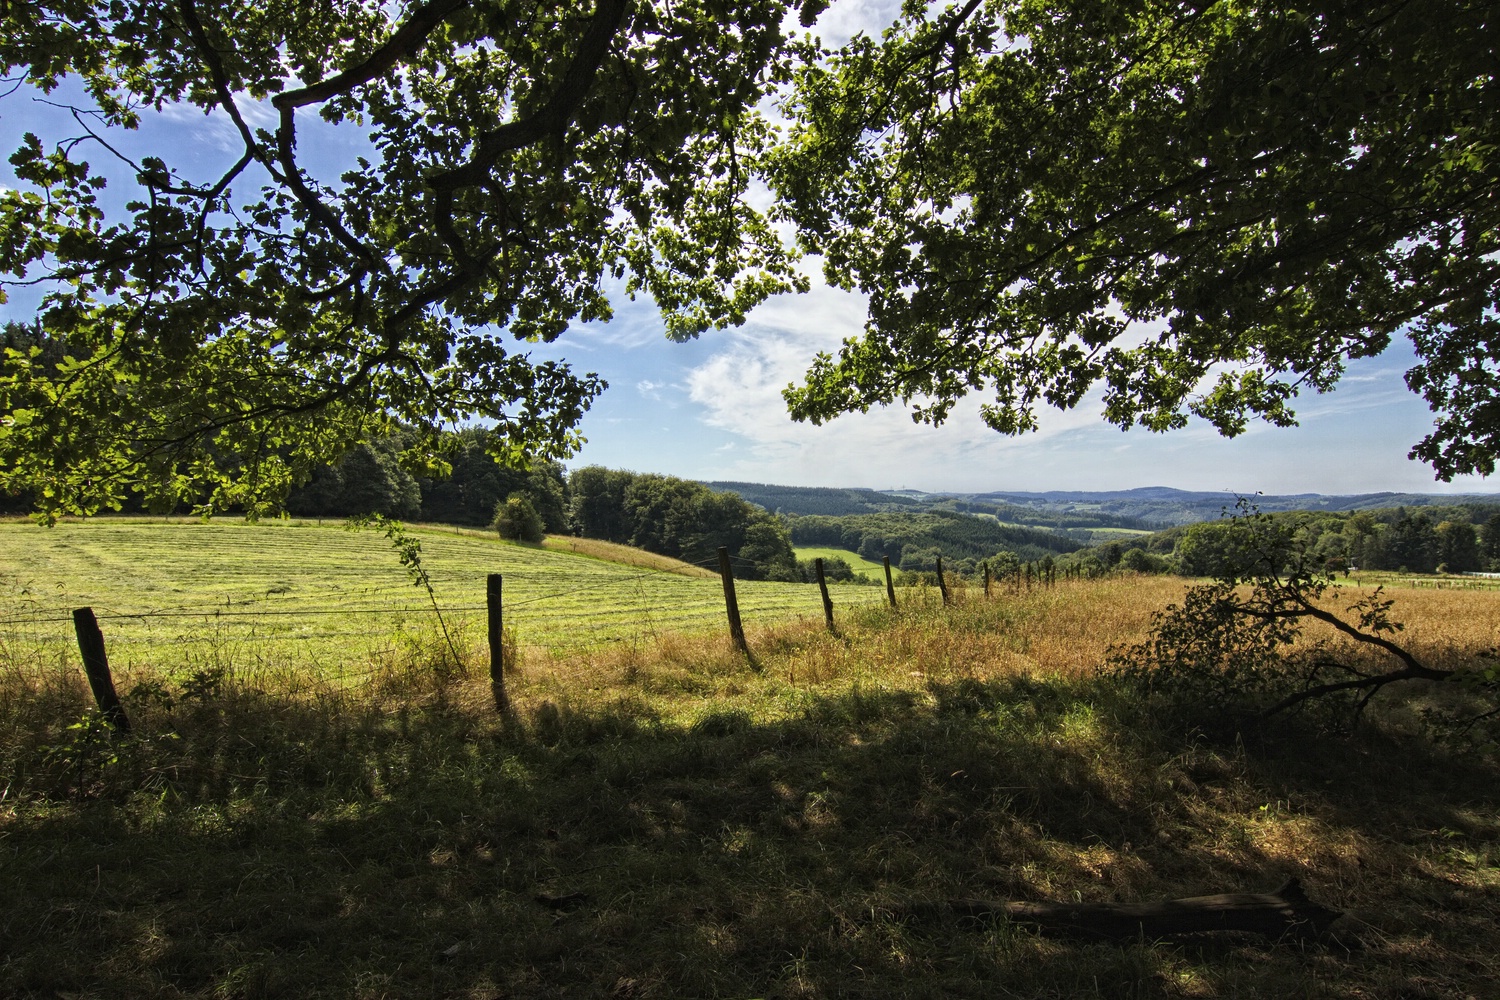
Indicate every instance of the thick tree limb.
{"type": "Point", "coordinates": [554, 115]}
{"type": "Point", "coordinates": [406, 40]}
{"type": "Point", "coordinates": [1371, 685]}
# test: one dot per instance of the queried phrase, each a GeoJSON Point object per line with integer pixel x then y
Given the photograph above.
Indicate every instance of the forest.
{"type": "Point", "coordinates": [914, 542]}
{"type": "Point", "coordinates": [1431, 539]}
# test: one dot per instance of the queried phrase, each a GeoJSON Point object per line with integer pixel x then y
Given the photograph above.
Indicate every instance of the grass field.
{"type": "Point", "coordinates": [663, 817]}
{"type": "Point", "coordinates": [173, 593]}
{"type": "Point", "coordinates": [861, 566]}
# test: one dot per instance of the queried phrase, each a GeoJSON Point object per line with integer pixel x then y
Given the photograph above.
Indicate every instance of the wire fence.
{"type": "Point", "coordinates": [349, 631]}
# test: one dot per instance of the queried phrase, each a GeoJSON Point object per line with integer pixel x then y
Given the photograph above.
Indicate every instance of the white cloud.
{"type": "Point", "coordinates": [739, 389]}
{"type": "Point", "coordinates": [1353, 440]}
{"type": "Point", "coordinates": [847, 18]}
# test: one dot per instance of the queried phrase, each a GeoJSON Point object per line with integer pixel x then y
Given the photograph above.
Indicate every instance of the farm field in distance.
{"type": "Point", "coordinates": [191, 592]}
{"type": "Point", "coordinates": [862, 567]}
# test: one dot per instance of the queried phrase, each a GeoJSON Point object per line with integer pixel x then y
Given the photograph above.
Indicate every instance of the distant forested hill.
{"type": "Point", "coordinates": [829, 502]}
{"type": "Point", "coordinates": [1159, 506]}
{"type": "Point", "coordinates": [914, 540]}
{"type": "Point", "coordinates": [818, 499]}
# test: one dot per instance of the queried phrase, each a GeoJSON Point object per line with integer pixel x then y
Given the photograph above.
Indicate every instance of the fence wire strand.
{"type": "Point", "coordinates": [272, 628]}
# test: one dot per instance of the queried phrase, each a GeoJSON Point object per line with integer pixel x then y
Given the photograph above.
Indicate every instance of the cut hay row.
{"type": "Point", "coordinates": [186, 593]}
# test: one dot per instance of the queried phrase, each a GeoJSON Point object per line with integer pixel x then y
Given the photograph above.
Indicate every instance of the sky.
{"type": "Point", "coordinates": [712, 409]}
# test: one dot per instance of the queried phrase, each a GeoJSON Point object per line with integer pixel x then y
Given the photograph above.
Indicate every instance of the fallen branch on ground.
{"type": "Point", "coordinates": [1286, 914]}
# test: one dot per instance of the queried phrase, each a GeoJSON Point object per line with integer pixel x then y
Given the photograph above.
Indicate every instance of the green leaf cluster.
{"type": "Point", "coordinates": [521, 162]}
{"type": "Point", "coordinates": [1191, 209]}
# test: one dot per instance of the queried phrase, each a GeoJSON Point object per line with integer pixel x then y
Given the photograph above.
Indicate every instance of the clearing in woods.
{"type": "Point", "coordinates": [189, 592]}
{"type": "Point", "coordinates": [862, 567]}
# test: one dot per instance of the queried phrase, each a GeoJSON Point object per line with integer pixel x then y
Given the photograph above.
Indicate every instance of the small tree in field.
{"type": "Point", "coordinates": [517, 520]}
{"type": "Point", "coordinates": [1239, 650]}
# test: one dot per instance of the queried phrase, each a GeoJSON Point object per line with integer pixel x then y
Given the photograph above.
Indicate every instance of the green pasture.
{"type": "Point", "coordinates": [1427, 581]}
{"type": "Point", "coordinates": [319, 594]}
{"type": "Point", "coordinates": [860, 565]}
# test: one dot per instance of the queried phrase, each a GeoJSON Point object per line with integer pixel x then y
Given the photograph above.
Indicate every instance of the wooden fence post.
{"type": "Point", "coordinates": [942, 584]}
{"type": "Point", "coordinates": [96, 668]}
{"type": "Point", "coordinates": [493, 607]}
{"type": "Point", "coordinates": [823, 589]}
{"type": "Point", "coordinates": [986, 579]}
{"type": "Point", "coordinates": [890, 588]}
{"type": "Point", "coordinates": [731, 604]}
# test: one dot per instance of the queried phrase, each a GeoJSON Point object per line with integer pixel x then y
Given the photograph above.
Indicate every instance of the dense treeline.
{"type": "Point", "coordinates": [822, 500]}
{"type": "Point", "coordinates": [369, 480]}
{"type": "Point", "coordinates": [679, 518]}
{"type": "Point", "coordinates": [914, 541]}
{"type": "Point", "coordinates": [1459, 538]}
{"type": "Point", "coordinates": [662, 514]}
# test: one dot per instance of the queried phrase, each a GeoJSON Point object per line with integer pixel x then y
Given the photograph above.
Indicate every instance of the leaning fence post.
{"type": "Point", "coordinates": [890, 588]}
{"type": "Point", "coordinates": [96, 668]}
{"type": "Point", "coordinates": [823, 588]}
{"type": "Point", "coordinates": [493, 605]}
{"type": "Point", "coordinates": [942, 584]}
{"type": "Point", "coordinates": [731, 605]}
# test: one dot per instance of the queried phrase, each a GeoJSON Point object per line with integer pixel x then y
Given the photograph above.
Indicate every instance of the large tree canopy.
{"type": "Point", "coordinates": [1203, 207]}
{"type": "Point", "coordinates": [209, 338]}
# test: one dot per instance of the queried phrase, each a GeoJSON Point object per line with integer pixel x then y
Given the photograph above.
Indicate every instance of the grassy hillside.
{"type": "Point", "coordinates": [667, 819]}
{"type": "Point", "coordinates": [190, 592]}
{"type": "Point", "coordinates": [862, 567]}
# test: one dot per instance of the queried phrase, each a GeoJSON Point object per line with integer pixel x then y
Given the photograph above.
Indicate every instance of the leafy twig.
{"type": "Point", "coordinates": [409, 551]}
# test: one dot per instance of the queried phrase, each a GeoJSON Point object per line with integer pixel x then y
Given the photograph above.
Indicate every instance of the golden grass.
{"type": "Point", "coordinates": [624, 554]}
{"type": "Point", "coordinates": [1065, 631]}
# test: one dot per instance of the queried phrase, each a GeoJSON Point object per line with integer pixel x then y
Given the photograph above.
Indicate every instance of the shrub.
{"type": "Point", "coordinates": [1241, 652]}
{"type": "Point", "coordinates": [517, 520]}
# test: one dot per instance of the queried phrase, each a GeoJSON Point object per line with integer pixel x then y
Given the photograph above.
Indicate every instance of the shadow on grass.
{"type": "Point", "coordinates": [274, 849]}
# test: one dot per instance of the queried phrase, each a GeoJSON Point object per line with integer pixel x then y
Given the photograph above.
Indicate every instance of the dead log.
{"type": "Point", "coordinates": [1286, 913]}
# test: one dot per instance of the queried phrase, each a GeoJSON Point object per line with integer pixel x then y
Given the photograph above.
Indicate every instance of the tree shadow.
{"type": "Point", "coordinates": [605, 851]}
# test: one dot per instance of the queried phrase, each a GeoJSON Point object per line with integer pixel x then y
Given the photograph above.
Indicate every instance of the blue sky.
{"type": "Point", "coordinates": [712, 409]}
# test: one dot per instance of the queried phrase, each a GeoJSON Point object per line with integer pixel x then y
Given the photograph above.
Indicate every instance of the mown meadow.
{"type": "Point", "coordinates": [661, 816]}
{"type": "Point", "coordinates": [323, 597]}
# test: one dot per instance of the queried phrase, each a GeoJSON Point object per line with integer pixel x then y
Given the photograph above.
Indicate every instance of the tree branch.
{"type": "Point", "coordinates": [406, 40]}
{"type": "Point", "coordinates": [553, 116]}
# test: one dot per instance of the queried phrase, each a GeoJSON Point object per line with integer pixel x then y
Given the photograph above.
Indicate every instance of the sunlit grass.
{"type": "Point", "coordinates": [867, 568]}
{"type": "Point", "coordinates": [171, 595]}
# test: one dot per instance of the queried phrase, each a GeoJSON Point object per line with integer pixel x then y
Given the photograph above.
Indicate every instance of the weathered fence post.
{"type": "Point", "coordinates": [731, 604]}
{"type": "Point", "coordinates": [823, 589]}
{"type": "Point", "coordinates": [493, 606]}
{"type": "Point", "coordinates": [890, 588]}
{"type": "Point", "coordinates": [96, 668]}
{"type": "Point", "coordinates": [942, 584]}
{"type": "Point", "coordinates": [986, 579]}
